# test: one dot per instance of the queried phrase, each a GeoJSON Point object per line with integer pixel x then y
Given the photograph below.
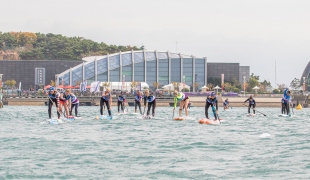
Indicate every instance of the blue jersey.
{"type": "Point", "coordinates": [106, 97]}
{"type": "Point", "coordinates": [121, 98]}
{"type": "Point", "coordinates": [286, 97]}
{"type": "Point", "coordinates": [138, 98]}
{"type": "Point", "coordinates": [250, 102]}
{"type": "Point", "coordinates": [212, 101]}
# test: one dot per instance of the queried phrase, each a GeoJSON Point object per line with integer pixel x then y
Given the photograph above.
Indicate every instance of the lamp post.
{"type": "Point", "coordinates": [123, 84]}
{"type": "Point", "coordinates": [195, 84]}
{"type": "Point", "coordinates": [244, 86]}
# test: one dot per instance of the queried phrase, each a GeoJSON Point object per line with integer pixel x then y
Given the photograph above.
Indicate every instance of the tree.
{"type": "Point", "coordinates": [10, 83]}
{"type": "Point", "coordinates": [196, 85]}
{"type": "Point", "coordinates": [156, 84]}
{"type": "Point", "coordinates": [264, 86]}
{"type": "Point", "coordinates": [295, 84]}
{"type": "Point", "coordinates": [133, 84]}
{"type": "Point", "coordinates": [281, 87]}
{"type": "Point", "coordinates": [106, 84]}
{"type": "Point", "coordinates": [52, 83]}
{"type": "Point", "coordinates": [252, 82]}
{"type": "Point", "coordinates": [176, 85]}
{"type": "Point", "coordinates": [210, 86]}
{"type": "Point", "coordinates": [236, 83]}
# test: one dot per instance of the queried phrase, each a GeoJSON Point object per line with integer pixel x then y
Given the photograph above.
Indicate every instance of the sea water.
{"type": "Point", "coordinates": [130, 147]}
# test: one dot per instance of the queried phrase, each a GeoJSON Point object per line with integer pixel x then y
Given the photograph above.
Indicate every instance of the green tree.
{"type": "Point", "coordinates": [252, 82]}
{"type": "Point", "coordinates": [264, 86]}
{"type": "Point", "coordinates": [295, 84]}
{"type": "Point", "coordinates": [10, 83]}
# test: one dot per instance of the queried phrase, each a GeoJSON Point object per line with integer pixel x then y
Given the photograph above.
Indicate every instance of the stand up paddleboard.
{"type": "Point", "coordinates": [103, 117]}
{"type": "Point", "coordinates": [285, 115]}
{"type": "Point", "coordinates": [209, 121]}
{"type": "Point", "coordinates": [251, 115]}
{"type": "Point", "coordinates": [179, 118]}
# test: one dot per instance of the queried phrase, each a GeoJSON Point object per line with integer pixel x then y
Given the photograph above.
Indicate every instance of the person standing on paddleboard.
{"type": "Point", "coordinates": [211, 101]}
{"type": "Point", "coordinates": [183, 99]}
{"type": "Point", "coordinates": [138, 99]}
{"type": "Point", "coordinates": [74, 104]}
{"type": "Point", "coordinates": [120, 102]}
{"type": "Point", "coordinates": [283, 110]}
{"type": "Point", "coordinates": [63, 101]}
{"type": "Point", "coordinates": [287, 100]}
{"type": "Point", "coordinates": [53, 98]}
{"type": "Point", "coordinates": [107, 99]}
{"type": "Point", "coordinates": [252, 104]}
{"type": "Point", "coordinates": [151, 102]}
{"type": "Point", "coordinates": [226, 104]}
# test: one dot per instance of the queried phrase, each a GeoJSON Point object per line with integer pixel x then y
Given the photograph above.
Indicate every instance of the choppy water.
{"type": "Point", "coordinates": [131, 148]}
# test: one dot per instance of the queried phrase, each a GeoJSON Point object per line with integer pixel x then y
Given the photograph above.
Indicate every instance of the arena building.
{"type": "Point", "coordinates": [150, 66]}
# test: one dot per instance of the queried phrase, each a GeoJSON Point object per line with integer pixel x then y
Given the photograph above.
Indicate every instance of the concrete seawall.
{"type": "Point", "coordinates": [164, 102]}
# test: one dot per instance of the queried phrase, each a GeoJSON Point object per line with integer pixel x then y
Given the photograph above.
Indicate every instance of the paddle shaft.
{"type": "Point", "coordinates": [256, 110]}
{"type": "Point", "coordinates": [216, 115]}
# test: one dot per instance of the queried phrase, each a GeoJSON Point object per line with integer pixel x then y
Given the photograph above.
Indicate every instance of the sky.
{"type": "Point", "coordinates": [262, 34]}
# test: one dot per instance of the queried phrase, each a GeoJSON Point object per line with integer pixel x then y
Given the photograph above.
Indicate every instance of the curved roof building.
{"type": "Point", "coordinates": [306, 74]}
{"type": "Point", "coordinates": [141, 66]}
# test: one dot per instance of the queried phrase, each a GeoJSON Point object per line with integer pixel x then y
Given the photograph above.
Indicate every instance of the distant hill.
{"type": "Point", "coordinates": [38, 46]}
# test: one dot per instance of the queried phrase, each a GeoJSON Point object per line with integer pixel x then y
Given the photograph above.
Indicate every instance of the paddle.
{"type": "Point", "coordinates": [53, 104]}
{"type": "Point", "coordinates": [292, 108]}
{"type": "Point", "coordinates": [256, 110]}
{"type": "Point", "coordinates": [216, 115]}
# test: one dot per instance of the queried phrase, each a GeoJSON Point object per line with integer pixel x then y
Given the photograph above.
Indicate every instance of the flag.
{"type": "Point", "coordinates": [94, 86]}
{"type": "Point", "coordinates": [20, 86]}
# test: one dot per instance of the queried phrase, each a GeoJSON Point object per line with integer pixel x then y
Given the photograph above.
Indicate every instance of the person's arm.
{"type": "Point", "coordinates": [175, 102]}
{"type": "Point", "coordinates": [144, 101]}
{"type": "Point", "coordinates": [246, 100]}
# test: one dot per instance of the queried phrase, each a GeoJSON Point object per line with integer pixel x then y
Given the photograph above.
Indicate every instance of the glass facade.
{"type": "Point", "coordinates": [200, 73]}
{"type": "Point", "coordinates": [151, 66]}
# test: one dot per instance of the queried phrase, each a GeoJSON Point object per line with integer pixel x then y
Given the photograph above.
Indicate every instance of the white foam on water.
{"type": "Point", "coordinates": [264, 135]}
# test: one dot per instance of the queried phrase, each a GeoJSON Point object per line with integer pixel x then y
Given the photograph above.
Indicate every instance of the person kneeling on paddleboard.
{"type": "Point", "coordinates": [287, 100]}
{"type": "Point", "coordinates": [151, 102]}
{"type": "Point", "coordinates": [53, 98]}
{"type": "Point", "coordinates": [120, 102]}
{"type": "Point", "coordinates": [226, 104]}
{"type": "Point", "coordinates": [107, 99]}
{"type": "Point", "coordinates": [74, 104]}
{"type": "Point", "coordinates": [211, 101]}
{"type": "Point", "coordinates": [183, 99]}
{"type": "Point", "coordinates": [252, 104]}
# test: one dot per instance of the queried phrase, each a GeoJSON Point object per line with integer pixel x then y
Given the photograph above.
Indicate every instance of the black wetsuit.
{"type": "Point", "coordinates": [251, 104]}
{"type": "Point", "coordinates": [105, 99]}
{"type": "Point", "coordinates": [120, 102]}
{"type": "Point", "coordinates": [53, 98]}
{"type": "Point", "coordinates": [212, 103]}
{"type": "Point", "coordinates": [138, 102]}
{"type": "Point", "coordinates": [151, 102]}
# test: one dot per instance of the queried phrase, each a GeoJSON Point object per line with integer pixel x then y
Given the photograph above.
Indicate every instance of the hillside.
{"type": "Point", "coordinates": [38, 46]}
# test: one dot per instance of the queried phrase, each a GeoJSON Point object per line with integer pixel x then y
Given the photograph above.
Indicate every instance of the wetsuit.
{"type": "Point", "coordinates": [106, 100]}
{"type": "Point", "coordinates": [74, 104]}
{"type": "Point", "coordinates": [138, 99]}
{"type": "Point", "coordinates": [286, 101]}
{"type": "Point", "coordinates": [151, 102]}
{"type": "Point", "coordinates": [226, 103]}
{"type": "Point", "coordinates": [283, 109]}
{"type": "Point", "coordinates": [120, 102]}
{"type": "Point", "coordinates": [211, 102]}
{"type": "Point", "coordinates": [53, 98]}
{"type": "Point", "coordinates": [251, 104]}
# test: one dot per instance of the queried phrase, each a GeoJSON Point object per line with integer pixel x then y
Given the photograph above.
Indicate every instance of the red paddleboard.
{"type": "Point", "coordinates": [209, 121]}
{"type": "Point", "coordinates": [179, 118]}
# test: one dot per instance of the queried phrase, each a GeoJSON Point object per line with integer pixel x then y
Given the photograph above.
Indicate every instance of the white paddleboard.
{"type": "Point", "coordinates": [285, 115]}
{"type": "Point", "coordinates": [251, 115]}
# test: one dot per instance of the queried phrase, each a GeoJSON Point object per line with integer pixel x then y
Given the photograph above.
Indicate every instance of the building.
{"type": "Point", "coordinates": [148, 66]}
{"type": "Point", "coordinates": [33, 73]}
{"type": "Point", "coordinates": [305, 78]}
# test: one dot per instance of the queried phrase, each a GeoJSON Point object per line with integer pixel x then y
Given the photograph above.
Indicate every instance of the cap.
{"type": "Point", "coordinates": [213, 94]}
{"type": "Point", "coordinates": [52, 88]}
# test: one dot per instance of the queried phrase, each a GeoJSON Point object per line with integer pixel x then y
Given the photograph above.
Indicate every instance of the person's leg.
{"type": "Point", "coordinates": [108, 107]}
{"type": "Point", "coordinates": [101, 106]}
{"type": "Point", "coordinates": [206, 110]}
{"type": "Point", "coordinates": [66, 109]}
{"type": "Point", "coordinates": [249, 107]}
{"type": "Point", "coordinates": [139, 104]}
{"type": "Point", "coordinates": [186, 106]}
{"type": "Point", "coordinates": [118, 104]}
{"type": "Point", "coordinates": [253, 108]}
{"type": "Point", "coordinates": [58, 113]}
{"type": "Point", "coordinates": [282, 108]}
{"type": "Point", "coordinates": [148, 108]}
{"type": "Point", "coordinates": [214, 111]}
{"type": "Point", "coordinates": [181, 108]}
{"type": "Point", "coordinates": [136, 106]}
{"type": "Point", "coordinates": [287, 108]}
{"type": "Point", "coordinates": [76, 109]}
{"type": "Point", "coordinates": [122, 107]}
{"type": "Point", "coordinates": [50, 104]}
{"type": "Point", "coordinates": [70, 110]}
{"type": "Point", "coordinates": [153, 108]}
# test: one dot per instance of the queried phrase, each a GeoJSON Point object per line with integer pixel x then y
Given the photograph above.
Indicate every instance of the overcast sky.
{"type": "Point", "coordinates": [254, 33]}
